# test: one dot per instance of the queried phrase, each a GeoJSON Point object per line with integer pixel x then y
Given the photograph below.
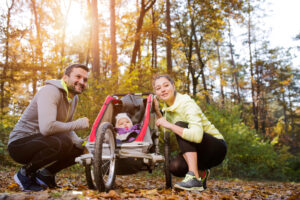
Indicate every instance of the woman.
{"type": "Point", "coordinates": [201, 144]}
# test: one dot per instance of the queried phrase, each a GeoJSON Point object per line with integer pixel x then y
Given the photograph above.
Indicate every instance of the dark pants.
{"type": "Point", "coordinates": [210, 152]}
{"type": "Point", "coordinates": [56, 152]}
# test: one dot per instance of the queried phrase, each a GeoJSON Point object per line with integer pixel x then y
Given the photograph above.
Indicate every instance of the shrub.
{"type": "Point", "coordinates": [249, 155]}
{"type": "Point", "coordinates": [8, 123]}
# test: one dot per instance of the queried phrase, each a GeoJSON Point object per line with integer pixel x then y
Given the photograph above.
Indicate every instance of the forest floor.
{"type": "Point", "coordinates": [144, 185]}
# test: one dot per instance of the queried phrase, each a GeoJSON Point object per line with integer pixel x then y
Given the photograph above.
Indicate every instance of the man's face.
{"type": "Point", "coordinates": [77, 80]}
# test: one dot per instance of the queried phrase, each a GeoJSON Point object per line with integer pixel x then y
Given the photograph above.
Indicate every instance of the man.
{"type": "Point", "coordinates": [44, 140]}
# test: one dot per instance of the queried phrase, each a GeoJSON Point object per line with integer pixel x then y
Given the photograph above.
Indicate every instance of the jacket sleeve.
{"type": "Point", "coordinates": [76, 140]}
{"type": "Point", "coordinates": [198, 123]}
{"type": "Point", "coordinates": [47, 103]}
{"type": "Point", "coordinates": [192, 114]}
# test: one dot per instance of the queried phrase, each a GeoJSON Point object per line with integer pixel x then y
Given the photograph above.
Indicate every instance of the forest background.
{"type": "Point", "coordinates": [247, 89]}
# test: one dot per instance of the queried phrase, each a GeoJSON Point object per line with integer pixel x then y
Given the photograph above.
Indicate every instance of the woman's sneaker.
{"type": "Point", "coordinates": [207, 174]}
{"type": "Point", "coordinates": [190, 182]}
{"type": "Point", "coordinates": [45, 179]}
{"type": "Point", "coordinates": [27, 183]}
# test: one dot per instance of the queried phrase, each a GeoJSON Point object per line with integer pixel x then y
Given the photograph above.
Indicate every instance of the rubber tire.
{"type": "Point", "coordinates": [89, 178]}
{"type": "Point", "coordinates": [167, 154]}
{"type": "Point", "coordinates": [101, 184]}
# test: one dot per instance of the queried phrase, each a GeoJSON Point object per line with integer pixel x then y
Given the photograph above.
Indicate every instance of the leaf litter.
{"type": "Point", "coordinates": [146, 186]}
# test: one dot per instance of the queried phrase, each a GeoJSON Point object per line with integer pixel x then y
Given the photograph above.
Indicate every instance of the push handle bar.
{"type": "Point", "coordinates": [135, 94]}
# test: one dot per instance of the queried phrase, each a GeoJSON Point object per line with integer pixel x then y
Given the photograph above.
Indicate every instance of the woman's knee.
{"type": "Point", "coordinates": [182, 124]}
{"type": "Point", "coordinates": [178, 166]}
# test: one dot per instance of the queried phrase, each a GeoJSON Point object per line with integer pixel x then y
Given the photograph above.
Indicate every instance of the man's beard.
{"type": "Point", "coordinates": [72, 89]}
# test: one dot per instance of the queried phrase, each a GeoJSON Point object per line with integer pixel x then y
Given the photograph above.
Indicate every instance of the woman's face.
{"type": "Point", "coordinates": [165, 90]}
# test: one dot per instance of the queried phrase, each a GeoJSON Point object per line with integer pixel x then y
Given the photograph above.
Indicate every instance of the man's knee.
{"type": "Point", "coordinates": [65, 142]}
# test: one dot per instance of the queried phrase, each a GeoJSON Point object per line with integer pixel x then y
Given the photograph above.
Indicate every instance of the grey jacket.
{"type": "Point", "coordinates": [50, 112]}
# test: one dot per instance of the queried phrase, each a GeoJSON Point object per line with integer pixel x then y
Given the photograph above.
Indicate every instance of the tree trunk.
{"type": "Point", "coordinates": [188, 82]}
{"type": "Point", "coordinates": [201, 63]}
{"type": "Point", "coordinates": [113, 47]}
{"type": "Point", "coordinates": [6, 64]}
{"type": "Point", "coordinates": [198, 52]}
{"type": "Point", "coordinates": [263, 111]}
{"type": "Point", "coordinates": [169, 45]}
{"type": "Point", "coordinates": [137, 43]}
{"type": "Point", "coordinates": [286, 124]}
{"type": "Point", "coordinates": [190, 66]}
{"type": "Point", "coordinates": [188, 51]}
{"type": "Point", "coordinates": [234, 74]}
{"type": "Point", "coordinates": [95, 40]}
{"type": "Point", "coordinates": [62, 52]}
{"type": "Point", "coordinates": [39, 53]}
{"type": "Point", "coordinates": [154, 40]}
{"type": "Point", "coordinates": [292, 114]}
{"type": "Point", "coordinates": [221, 75]}
{"type": "Point", "coordinates": [88, 50]}
{"type": "Point", "coordinates": [255, 118]}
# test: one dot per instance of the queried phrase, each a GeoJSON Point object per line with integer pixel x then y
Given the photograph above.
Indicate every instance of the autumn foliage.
{"type": "Point", "coordinates": [252, 97]}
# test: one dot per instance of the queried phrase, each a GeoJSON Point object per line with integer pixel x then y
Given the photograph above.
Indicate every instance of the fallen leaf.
{"type": "Point", "coordinates": [110, 194]}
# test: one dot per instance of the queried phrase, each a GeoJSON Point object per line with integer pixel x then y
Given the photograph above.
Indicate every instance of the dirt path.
{"type": "Point", "coordinates": [146, 186]}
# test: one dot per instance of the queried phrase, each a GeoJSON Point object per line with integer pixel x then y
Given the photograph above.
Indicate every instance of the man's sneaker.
{"type": "Point", "coordinates": [45, 179]}
{"type": "Point", "coordinates": [190, 182]}
{"type": "Point", "coordinates": [27, 183]}
{"type": "Point", "coordinates": [207, 174]}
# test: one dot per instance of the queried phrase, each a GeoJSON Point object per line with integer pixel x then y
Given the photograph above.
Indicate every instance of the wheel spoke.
{"type": "Point", "coordinates": [105, 157]}
{"type": "Point", "coordinates": [105, 168]}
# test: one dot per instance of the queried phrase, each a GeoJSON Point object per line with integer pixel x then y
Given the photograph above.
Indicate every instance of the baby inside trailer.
{"type": "Point", "coordinates": [109, 156]}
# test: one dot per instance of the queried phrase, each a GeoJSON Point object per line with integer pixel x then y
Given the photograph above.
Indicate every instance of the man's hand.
{"type": "Point", "coordinates": [83, 123]}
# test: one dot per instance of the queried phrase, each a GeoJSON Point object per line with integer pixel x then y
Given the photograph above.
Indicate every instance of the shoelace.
{"type": "Point", "coordinates": [188, 177]}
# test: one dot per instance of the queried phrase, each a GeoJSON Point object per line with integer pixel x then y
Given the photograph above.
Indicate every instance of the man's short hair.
{"type": "Point", "coordinates": [70, 68]}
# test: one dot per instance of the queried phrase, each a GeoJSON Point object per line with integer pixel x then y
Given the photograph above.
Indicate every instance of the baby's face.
{"type": "Point", "coordinates": [124, 123]}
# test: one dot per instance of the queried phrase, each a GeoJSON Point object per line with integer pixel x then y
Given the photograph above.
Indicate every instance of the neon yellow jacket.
{"type": "Point", "coordinates": [185, 109]}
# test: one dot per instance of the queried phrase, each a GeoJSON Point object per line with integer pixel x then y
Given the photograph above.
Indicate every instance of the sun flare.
{"type": "Point", "coordinates": [76, 20]}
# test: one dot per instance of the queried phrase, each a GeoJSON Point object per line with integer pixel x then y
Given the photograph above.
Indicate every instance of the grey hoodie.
{"type": "Point", "coordinates": [50, 112]}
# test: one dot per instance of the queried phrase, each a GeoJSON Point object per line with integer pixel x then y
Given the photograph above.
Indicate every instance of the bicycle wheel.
{"type": "Point", "coordinates": [105, 158]}
{"type": "Point", "coordinates": [167, 154]}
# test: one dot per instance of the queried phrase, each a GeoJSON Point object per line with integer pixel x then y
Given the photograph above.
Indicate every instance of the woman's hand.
{"type": "Point", "coordinates": [163, 122]}
{"type": "Point", "coordinates": [156, 107]}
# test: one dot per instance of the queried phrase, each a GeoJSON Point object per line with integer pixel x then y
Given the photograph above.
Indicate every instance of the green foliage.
{"type": "Point", "coordinates": [6, 126]}
{"type": "Point", "coordinates": [91, 101]}
{"type": "Point", "coordinates": [249, 155]}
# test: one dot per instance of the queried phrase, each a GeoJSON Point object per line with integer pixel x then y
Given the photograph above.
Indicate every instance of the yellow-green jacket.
{"type": "Point", "coordinates": [185, 109]}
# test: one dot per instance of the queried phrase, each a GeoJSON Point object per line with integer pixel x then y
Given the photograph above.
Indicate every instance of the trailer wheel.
{"type": "Point", "coordinates": [105, 157]}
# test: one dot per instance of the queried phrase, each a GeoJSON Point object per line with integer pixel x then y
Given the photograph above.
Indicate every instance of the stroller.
{"type": "Point", "coordinates": [106, 157]}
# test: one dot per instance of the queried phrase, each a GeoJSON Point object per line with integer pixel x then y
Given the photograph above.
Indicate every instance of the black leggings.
{"type": "Point", "coordinates": [210, 152]}
{"type": "Point", "coordinates": [37, 151]}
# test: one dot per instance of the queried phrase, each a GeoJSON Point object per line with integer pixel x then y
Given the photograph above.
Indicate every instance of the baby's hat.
{"type": "Point", "coordinates": [121, 116]}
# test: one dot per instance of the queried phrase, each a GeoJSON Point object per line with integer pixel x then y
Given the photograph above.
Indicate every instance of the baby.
{"type": "Point", "coordinates": [123, 121]}
{"type": "Point", "coordinates": [127, 132]}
